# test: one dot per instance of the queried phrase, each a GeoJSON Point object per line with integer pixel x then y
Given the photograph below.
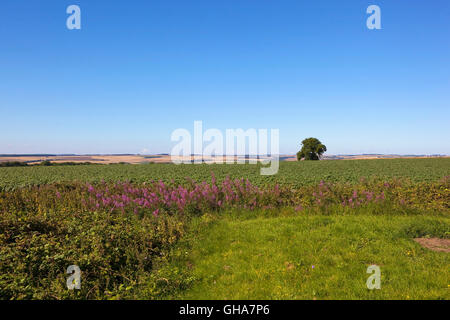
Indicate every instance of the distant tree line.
{"type": "Point", "coordinates": [45, 163]}
{"type": "Point", "coordinates": [13, 164]}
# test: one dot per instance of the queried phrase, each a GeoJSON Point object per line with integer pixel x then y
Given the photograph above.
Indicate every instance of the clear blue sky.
{"type": "Point", "coordinates": [137, 70]}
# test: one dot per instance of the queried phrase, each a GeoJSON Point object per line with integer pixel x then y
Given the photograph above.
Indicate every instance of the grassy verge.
{"type": "Point", "coordinates": [301, 256]}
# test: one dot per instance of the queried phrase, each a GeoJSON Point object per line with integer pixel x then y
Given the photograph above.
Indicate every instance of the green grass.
{"type": "Point", "coordinates": [292, 173]}
{"type": "Point", "coordinates": [264, 257]}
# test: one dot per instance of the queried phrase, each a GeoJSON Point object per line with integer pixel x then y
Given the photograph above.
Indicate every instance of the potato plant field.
{"type": "Point", "coordinates": [290, 173]}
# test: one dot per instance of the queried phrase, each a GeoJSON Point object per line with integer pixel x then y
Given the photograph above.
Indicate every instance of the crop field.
{"type": "Point", "coordinates": [290, 173]}
{"type": "Point", "coordinates": [162, 231]}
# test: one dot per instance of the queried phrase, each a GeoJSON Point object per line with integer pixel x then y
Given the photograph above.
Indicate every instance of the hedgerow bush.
{"type": "Point", "coordinates": [113, 251]}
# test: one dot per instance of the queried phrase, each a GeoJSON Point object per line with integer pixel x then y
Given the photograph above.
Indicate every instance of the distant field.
{"type": "Point", "coordinates": [290, 173]}
{"type": "Point", "coordinates": [165, 158]}
{"type": "Point", "coordinates": [104, 159]}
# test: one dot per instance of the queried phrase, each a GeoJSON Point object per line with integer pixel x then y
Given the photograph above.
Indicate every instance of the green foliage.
{"type": "Point", "coordinates": [13, 164]}
{"type": "Point", "coordinates": [312, 149]}
{"type": "Point", "coordinates": [45, 163]}
{"type": "Point", "coordinates": [364, 212]}
{"type": "Point", "coordinates": [115, 252]}
{"type": "Point", "coordinates": [124, 255]}
{"type": "Point", "coordinates": [295, 174]}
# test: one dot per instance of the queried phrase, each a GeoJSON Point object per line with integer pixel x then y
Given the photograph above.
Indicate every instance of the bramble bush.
{"type": "Point", "coordinates": [112, 250]}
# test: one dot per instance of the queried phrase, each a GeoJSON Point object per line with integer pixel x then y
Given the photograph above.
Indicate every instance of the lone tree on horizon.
{"type": "Point", "coordinates": [312, 149]}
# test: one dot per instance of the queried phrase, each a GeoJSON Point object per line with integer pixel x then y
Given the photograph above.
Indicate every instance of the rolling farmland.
{"type": "Point", "coordinates": [162, 231]}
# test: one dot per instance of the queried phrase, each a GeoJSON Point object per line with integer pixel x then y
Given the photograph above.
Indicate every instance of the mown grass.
{"type": "Point", "coordinates": [290, 173]}
{"type": "Point", "coordinates": [283, 255]}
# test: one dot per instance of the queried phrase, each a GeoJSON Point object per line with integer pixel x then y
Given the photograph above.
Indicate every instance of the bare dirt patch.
{"type": "Point", "coordinates": [434, 244]}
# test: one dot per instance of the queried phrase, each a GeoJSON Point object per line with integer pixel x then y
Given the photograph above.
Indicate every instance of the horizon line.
{"type": "Point", "coordinates": [196, 154]}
